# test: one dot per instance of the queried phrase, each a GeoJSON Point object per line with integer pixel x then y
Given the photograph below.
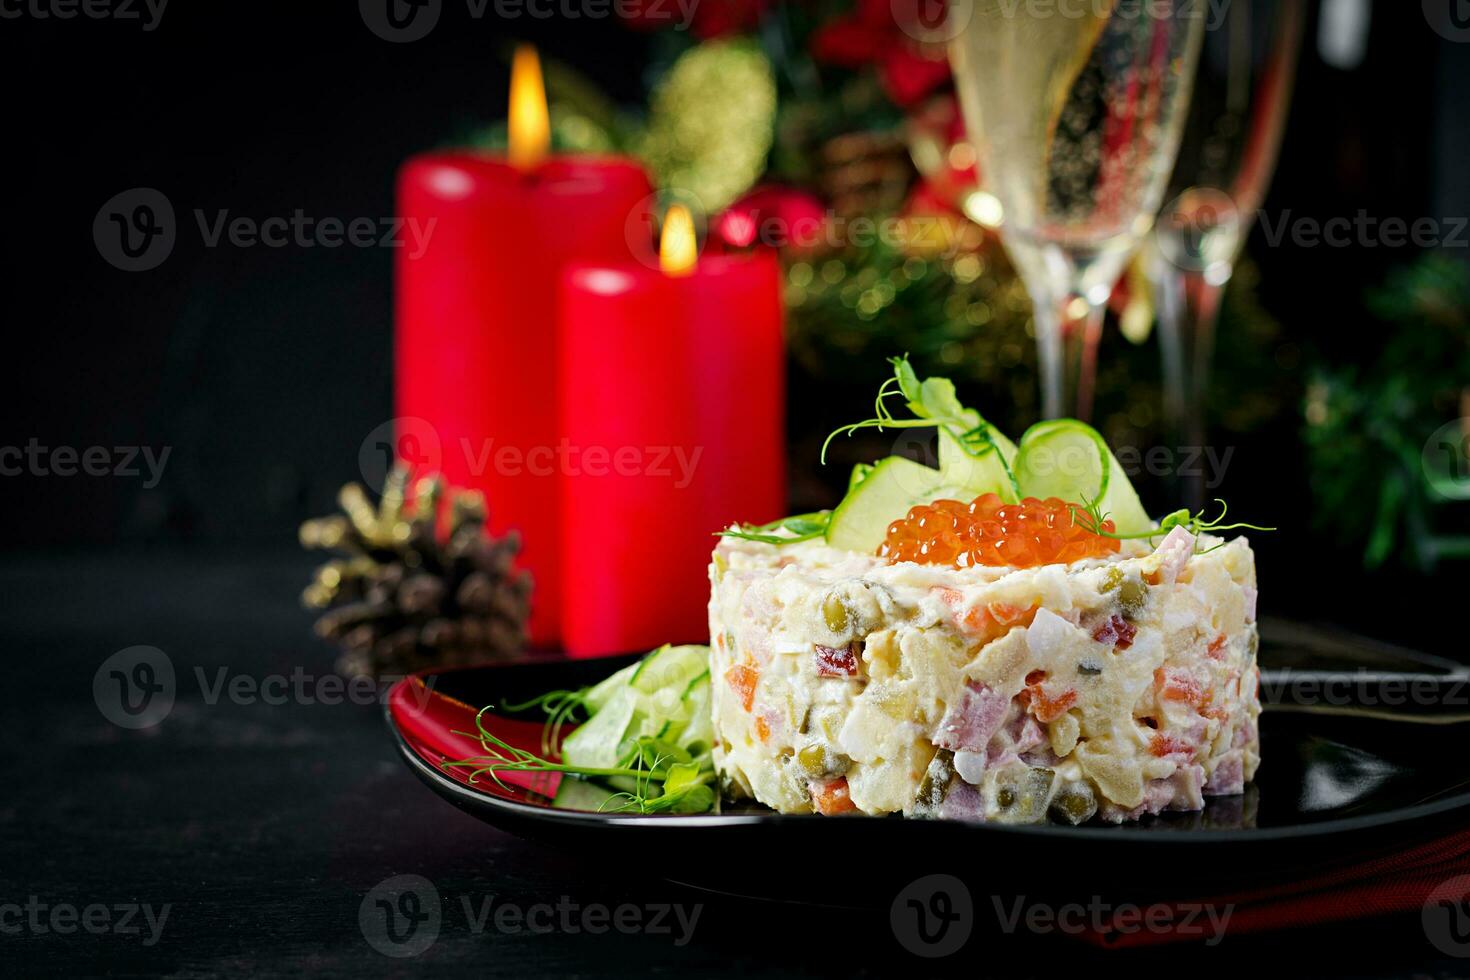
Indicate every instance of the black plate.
{"type": "Point", "coordinates": [1337, 785]}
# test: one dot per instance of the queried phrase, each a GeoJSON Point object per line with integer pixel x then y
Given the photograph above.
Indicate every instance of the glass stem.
{"type": "Point", "coordinates": [1188, 307]}
{"type": "Point", "coordinates": [1048, 318]}
{"type": "Point", "coordinates": [1086, 334]}
{"type": "Point", "coordinates": [1066, 347]}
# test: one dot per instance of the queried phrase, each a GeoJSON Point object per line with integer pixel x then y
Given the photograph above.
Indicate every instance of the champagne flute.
{"type": "Point", "coordinates": [1075, 111]}
{"type": "Point", "coordinates": [1229, 149]}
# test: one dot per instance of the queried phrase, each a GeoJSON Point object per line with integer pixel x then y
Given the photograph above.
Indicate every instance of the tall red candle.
{"type": "Point", "coordinates": [476, 327]}
{"type": "Point", "coordinates": [672, 392]}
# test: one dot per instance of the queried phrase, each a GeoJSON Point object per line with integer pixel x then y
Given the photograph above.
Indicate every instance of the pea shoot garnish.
{"type": "Point", "coordinates": [1090, 517]}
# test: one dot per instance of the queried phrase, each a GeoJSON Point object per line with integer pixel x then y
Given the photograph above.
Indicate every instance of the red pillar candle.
{"type": "Point", "coordinates": [476, 326]}
{"type": "Point", "coordinates": [672, 397]}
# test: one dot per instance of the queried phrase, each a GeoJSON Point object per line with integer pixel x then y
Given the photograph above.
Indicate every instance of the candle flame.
{"type": "Point", "coordinates": [677, 246]}
{"type": "Point", "coordinates": [530, 123]}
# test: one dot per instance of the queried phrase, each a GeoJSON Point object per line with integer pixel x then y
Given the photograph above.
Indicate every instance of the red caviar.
{"type": "Point", "coordinates": [988, 531]}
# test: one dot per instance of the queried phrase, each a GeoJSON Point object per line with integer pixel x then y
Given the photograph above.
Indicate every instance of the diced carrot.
{"type": "Point", "coordinates": [1177, 685]}
{"type": "Point", "coordinates": [977, 620]}
{"type": "Point", "coordinates": [1161, 744]}
{"type": "Point", "coordinates": [742, 679]}
{"type": "Point", "coordinates": [762, 728]}
{"type": "Point", "coordinates": [1008, 615]}
{"type": "Point", "coordinates": [951, 597]}
{"type": "Point", "coordinates": [830, 797]}
{"type": "Point", "coordinates": [1050, 709]}
{"type": "Point", "coordinates": [1217, 645]}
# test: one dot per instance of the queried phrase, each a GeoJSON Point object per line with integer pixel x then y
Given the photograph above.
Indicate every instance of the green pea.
{"type": "Point", "coordinates": [834, 610]}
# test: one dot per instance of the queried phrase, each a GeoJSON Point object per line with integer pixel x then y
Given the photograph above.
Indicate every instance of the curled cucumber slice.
{"type": "Point", "coordinates": [1070, 460]}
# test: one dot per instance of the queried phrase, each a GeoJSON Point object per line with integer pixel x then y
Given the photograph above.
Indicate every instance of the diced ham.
{"type": "Point", "coordinates": [1116, 631]}
{"type": "Point", "coordinates": [837, 661]}
{"type": "Point", "coordinates": [1173, 553]}
{"type": "Point", "coordinates": [970, 723]}
{"type": "Point", "coordinates": [1189, 784]}
{"type": "Point", "coordinates": [1229, 775]}
{"type": "Point", "coordinates": [962, 802]}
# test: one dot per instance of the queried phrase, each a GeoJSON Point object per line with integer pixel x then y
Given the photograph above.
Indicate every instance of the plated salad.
{"type": "Point", "coordinates": [1006, 637]}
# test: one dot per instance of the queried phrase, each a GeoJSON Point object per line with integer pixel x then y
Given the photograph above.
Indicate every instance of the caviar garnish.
{"type": "Point", "coordinates": [989, 531]}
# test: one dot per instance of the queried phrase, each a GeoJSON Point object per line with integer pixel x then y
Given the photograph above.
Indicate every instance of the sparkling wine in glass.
{"type": "Point", "coordinates": [1242, 93]}
{"type": "Point", "coordinates": [1075, 110]}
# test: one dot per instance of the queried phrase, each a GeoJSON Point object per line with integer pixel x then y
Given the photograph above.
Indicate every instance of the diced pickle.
{"type": "Point", "coordinates": [817, 759]}
{"type": "Point", "coordinates": [936, 779]}
{"type": "Point", "coordinates": [1020, 795]}
{"type": "Point", "coordinates": [834, 611]}
{"type": "Point", "coordinates": [1132, 595]}
{"type": "Point", "coordinates": [1111, 579]}
{"type": "Point", "coordinates": [1075, 804]}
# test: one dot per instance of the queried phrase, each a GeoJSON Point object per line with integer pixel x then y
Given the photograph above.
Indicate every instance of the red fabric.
{"type": "Point", "coordinates": [428, 721]}
{"type": "Point", "coordinates": [1398, 882]}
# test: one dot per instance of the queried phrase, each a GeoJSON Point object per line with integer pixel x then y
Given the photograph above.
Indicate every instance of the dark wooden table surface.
{"type": "Point", "coordinates": [261, 829]}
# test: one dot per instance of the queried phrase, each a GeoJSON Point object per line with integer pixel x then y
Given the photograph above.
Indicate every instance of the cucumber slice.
{"type": "Point", "coordinates": [860, 473]}
{"type": "Point", "coordinates": [598, 696]}
{"type": "Point", "coordinates": [670, 668]}
{"type": "Point", "coordinates": [599, 743]}
{"type": "Point", "coordinates": [698, 732]}
{"type": "Point", "coordinates": [860, 522]}
{"type": "Point", "coordinates": [988, 469]}
{"type": "Point", "coordinates": [1070, 460]}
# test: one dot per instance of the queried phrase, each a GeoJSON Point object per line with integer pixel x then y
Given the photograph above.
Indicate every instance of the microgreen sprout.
{"type": "Point", "coordinates": [1091, 517]}
{"type": "Point", "coordinates": [801, 527]}
{"type": "Point", "coordinates": [560, 707]}
{"type": "Point", "coordinates": [934, 403]}
{"type": "Point", "coordinates": [682, 783]}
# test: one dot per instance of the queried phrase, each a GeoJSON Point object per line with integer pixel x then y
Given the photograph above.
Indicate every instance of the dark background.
{"type": "Point", "coordinates": [264, 368]}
